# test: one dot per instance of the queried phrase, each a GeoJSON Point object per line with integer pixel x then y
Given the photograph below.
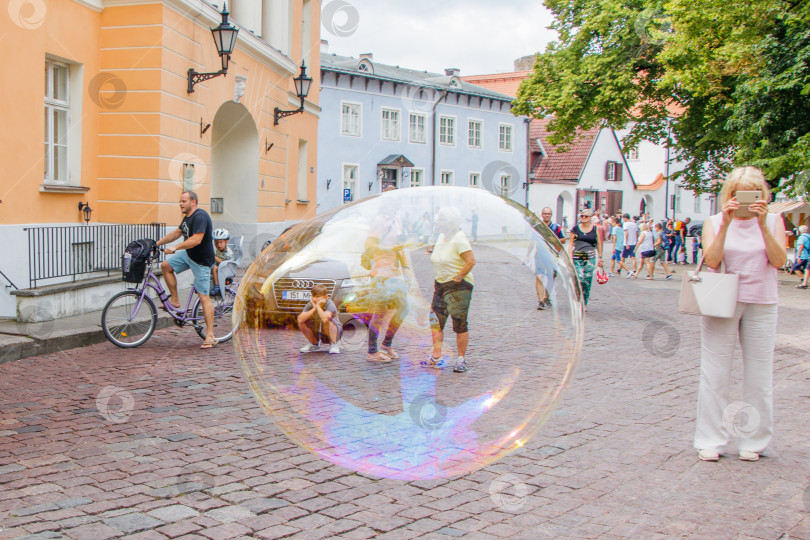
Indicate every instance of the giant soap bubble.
{"type": "Point", "coordinates": [385, 414]}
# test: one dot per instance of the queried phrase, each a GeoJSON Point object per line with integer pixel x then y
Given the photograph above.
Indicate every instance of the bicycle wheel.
{"type": "Point", "coordinates": [125, 326]}
{"type": "Point", "coordinates": [223, 315]}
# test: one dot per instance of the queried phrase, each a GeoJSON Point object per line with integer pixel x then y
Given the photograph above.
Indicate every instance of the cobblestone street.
{"type": "Point", "coordinates": [188, 453]}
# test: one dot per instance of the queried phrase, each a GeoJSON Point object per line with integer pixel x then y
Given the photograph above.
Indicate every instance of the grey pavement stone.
{"type": "Point", "coordinates": [130, 523]}
{"type": "Point", "coordinates": [11, 468]}
{"type": "Point", "coordinates": [32, 510]}
{"type": "Point", "coordinates": [228, 514]}
{"type": "Point", "coordinates": [175, 512]}
{"type": "Point", "coordinates": [73, 501]}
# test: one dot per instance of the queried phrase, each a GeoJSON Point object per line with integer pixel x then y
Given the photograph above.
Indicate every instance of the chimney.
{"type": "Point", "coordinates": [452, 72]}
{"type": "Point", "coordinates": [367, 56]}
{"type": "Point", "coordinates": [324, 46]}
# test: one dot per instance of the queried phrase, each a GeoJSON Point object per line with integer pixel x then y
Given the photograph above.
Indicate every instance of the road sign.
{"type": "Point", "coordinates": [347, 195]}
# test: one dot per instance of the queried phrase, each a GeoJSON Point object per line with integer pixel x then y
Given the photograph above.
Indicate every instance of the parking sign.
{"type": "Point", "coordinates": [347, 195]}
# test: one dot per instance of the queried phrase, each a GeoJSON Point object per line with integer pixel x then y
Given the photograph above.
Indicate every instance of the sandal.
{"type": "Point", "coordinates": [378, 356]}
{"type": "Point", "coordinates": [390, 352]}
{"type": "Point", "coordinates": [208, 344]}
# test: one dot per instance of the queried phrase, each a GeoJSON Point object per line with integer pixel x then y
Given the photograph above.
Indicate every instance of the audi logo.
{"type": "Point", "coordinates": [303, 284]}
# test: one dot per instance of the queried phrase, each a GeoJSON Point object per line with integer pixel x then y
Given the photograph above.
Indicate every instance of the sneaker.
{"type": "Point", "coordinates": [708, 455]}
{"type": "Point", "coordinates": [435, 363]}
{"type": "Point", "coordinates": [629, 275]}
{"type": "Point", "coordinates": [334, 349]}
{"type": "Point", "coordinates": [541, 305]}
{"type": "Point", "coordinates": [611, 274]}
{"type": "Point", "coordinates": [310, 347]}
{"type": "Point", "coordinates": [548, 302]}
{"type": "Point", "coordinates": [801, 286]}
{"type": "Point", "coordinates": [669, 276]}
{"type": "Point", "coordinates": [215, 291]}
{"type": "Point", "coordinates": [461, 365]}
{"type": "Point", "coordinates": [745, 455]}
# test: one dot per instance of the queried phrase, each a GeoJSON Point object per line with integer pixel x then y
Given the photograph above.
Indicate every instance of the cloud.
{"type": "Point", "coordinates": [476, 36]}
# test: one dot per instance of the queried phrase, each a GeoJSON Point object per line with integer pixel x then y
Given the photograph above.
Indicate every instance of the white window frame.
{"type": "Point", "coordinates": [470, 122]}
{"type": "Point", "coordinates": [477, 176]}
{"type": "Point", "coordinates": [62, 106]}
{"type": "Point", "coordinates": [448, 174]}
{"type": "Point", "coordinates": [421, 174]}
{"type": "Point", "coordinates": [632, 154]}
{"type": "Point", "coordinates": [448, 136]}
{"type": "Point", "coordinates": [355, 188]}
{"type": "Point", "coordinates": [510, 130]}
{"type": "Point", "coordinates": [504, 187]}
{"type": "Point", "coordinates": [411, 133]}
{"type": "Point", "coordinates": [343, 116]}
{"type": "Point", "coordinates": [395, 130]}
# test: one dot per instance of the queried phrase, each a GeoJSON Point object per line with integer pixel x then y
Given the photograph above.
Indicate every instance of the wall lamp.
{"type": "Point", "coordinates": [85, 209]}
{"type": "Point", "coordinates": [302, 84]}
{"type": "Point", "coordinates": [224, 39]}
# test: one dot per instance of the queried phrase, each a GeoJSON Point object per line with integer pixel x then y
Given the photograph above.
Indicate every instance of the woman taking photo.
{"type": "Point", "coordinates": [585, 250]}
{"type": "Point", "coordinates": [753, 248]}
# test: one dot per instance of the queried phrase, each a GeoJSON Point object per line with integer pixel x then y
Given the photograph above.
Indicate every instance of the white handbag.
{"type": "Point", "coordinates": [709, 293]}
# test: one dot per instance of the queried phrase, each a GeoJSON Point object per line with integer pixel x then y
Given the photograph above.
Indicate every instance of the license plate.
{"type": "Point", "coordinates": [295, 295]}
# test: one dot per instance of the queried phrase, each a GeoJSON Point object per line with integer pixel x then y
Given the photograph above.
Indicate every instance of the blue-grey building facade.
{"type": "Point", "coordinates": [384, 126]}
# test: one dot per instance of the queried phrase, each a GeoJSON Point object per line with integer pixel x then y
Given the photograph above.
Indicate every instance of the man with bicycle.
{"type": "Point", "coordinates": [196, 253]}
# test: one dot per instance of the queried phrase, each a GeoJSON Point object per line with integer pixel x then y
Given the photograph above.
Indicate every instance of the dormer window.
{"type": "Point", "coordinates": [365, 66]}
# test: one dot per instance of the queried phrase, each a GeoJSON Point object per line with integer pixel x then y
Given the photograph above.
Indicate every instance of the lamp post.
{"type": "Point", "coordinates": [224, 39]}
{"type": "Point", "coordinates": [302, 84]}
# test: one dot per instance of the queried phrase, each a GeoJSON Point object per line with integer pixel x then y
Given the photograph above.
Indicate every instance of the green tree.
{"type": "Point", "coordinates": [723, 83]}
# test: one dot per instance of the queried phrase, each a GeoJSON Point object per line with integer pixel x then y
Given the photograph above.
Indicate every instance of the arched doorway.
{"type": "Point", "coordinates": [565, 209]}
{"type": "Point", "coordinates": [646, 205]}
{"type": "Point", "coordinates": [235, 166]}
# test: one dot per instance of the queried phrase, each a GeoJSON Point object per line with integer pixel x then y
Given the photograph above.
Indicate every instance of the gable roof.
{"type": "Point", "coordinates": [559, 166]}
{"type": "Point", "coordinates": [396, 74]}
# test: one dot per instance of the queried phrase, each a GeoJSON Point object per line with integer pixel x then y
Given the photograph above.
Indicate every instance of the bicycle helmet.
{"type": "Point", "coordinates": [221, 234]}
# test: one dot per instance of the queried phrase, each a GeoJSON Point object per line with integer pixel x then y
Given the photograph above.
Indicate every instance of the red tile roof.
{"type": "Point", "coordinates": [504, 83]}
{"type": "Point", "coordinates": [657, 183]}
{"type": "Point", "coordinates": [559, 166]}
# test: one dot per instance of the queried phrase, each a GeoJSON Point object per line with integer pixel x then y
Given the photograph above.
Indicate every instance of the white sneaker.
{"type": "Point", "coordinates": [334, 349]}
{"type": "Point", "coordinates": [310, 347]}
{"type": "Point", "coordinates": [708, 455]}
{"type": "Point", "coordinates": [746, 455]}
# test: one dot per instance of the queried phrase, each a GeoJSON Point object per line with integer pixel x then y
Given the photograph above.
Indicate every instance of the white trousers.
{"type": "Point", "coordinates": [750, 420]}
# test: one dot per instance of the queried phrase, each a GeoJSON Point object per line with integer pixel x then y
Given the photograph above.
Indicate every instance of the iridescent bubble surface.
{"type": "Point", "coordinates": [397, 418]}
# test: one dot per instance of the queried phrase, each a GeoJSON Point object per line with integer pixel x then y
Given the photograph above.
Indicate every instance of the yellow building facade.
{"type": "Point", "coordinates": [103, 84]}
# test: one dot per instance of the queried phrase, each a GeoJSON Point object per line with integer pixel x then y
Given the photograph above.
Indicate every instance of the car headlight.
{"type": "Point", "coordinates": [355, 282]}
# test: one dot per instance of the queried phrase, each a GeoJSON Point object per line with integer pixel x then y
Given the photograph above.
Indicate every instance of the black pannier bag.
{"type": "Point", "coordinates": [133, 263]}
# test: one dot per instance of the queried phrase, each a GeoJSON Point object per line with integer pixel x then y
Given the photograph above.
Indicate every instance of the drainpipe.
{"type": "Point", "coordinates": [666, 180]}
{"type": "Point", "coordinates": [528, 121]}
{"type": "Point", "coordinates": [435, 139]}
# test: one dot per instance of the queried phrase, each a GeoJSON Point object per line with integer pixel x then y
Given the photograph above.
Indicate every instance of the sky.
{"type": "Point", "coordinates": [476, 36]}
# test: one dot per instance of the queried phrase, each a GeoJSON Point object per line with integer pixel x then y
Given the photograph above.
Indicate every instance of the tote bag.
{"type": "Point", "coordinates": [709, 293]}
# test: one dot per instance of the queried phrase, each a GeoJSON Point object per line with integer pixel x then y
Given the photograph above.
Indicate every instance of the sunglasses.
{"type": "Point", "coordinates": [584, 215]}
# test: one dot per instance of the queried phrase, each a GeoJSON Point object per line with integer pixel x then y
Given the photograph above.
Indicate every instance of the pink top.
{"type": "Point", "coordinates": [744, 254]}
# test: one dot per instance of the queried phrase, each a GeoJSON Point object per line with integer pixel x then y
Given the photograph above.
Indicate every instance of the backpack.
{"type": "Point", "coordinates": [133, 262]}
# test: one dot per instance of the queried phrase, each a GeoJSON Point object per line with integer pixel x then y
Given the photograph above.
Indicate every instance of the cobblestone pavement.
{"type": "Point", "coordinates": [166, 441]}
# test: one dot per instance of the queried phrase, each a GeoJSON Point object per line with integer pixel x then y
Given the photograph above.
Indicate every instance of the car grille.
{"type": "Point", "coordinates": [298, 284]}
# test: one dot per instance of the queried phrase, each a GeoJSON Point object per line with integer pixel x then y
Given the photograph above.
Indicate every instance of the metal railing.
{"type": "Point", "coordinates": [71, 251]}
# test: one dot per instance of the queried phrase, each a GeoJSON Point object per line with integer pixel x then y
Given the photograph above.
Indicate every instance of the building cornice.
{"type": "Point", "coordinates": [206, 14]}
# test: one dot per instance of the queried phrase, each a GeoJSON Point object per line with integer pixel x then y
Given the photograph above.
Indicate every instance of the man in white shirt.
{"type": "Point", "coordinates": [630, 240]}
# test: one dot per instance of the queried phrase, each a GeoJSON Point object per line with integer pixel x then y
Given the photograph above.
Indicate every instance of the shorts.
{"type": "Point", "coordinates": [451, 299]}
{"type": "Point", "coordinates": [316, 325]}
{"type": "Point", "coordinates": [617, 255]}
{"type": "Point", "coordinates": [180, 262]}
{"type": "Point", "coordinates": [647, 254]}
{"type": "Point", "coordinates": [800, 265]}
{"type": "Point", "coordinates": [629, 251]}
{"type": "Point", "coordinates": [660, 254]}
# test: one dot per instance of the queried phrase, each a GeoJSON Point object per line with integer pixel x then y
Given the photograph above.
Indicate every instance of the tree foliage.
{"type": "Point", "coordinates": [723, 83]}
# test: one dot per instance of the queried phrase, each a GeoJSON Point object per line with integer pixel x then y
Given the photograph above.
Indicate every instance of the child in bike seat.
{"type": "Point", "coordinates": [221, 253]}
{"type": "Point", "coordinates": [318, 321]}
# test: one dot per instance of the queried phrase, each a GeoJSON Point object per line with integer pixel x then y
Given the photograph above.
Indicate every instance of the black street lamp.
{"type": "Point", "coordinates": [85, 209]}
{"type": "Point", "coordinates": [302, 84]}
{"type": "Point", "coordinates": [224, 39]}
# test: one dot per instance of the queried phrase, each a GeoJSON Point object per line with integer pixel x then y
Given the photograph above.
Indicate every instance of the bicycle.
{"type": "Point", "coordinates": [130, 317]}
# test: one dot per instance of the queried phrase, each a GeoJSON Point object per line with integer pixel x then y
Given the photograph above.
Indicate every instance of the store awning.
{"type": "Point", "coordinates": [397, 160]}
{"type": "Point", "coordinates": [789, 206]}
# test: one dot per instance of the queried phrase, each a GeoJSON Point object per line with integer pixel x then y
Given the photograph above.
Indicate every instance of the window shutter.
{"type": "Point", "coordinates": [618, 172]}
